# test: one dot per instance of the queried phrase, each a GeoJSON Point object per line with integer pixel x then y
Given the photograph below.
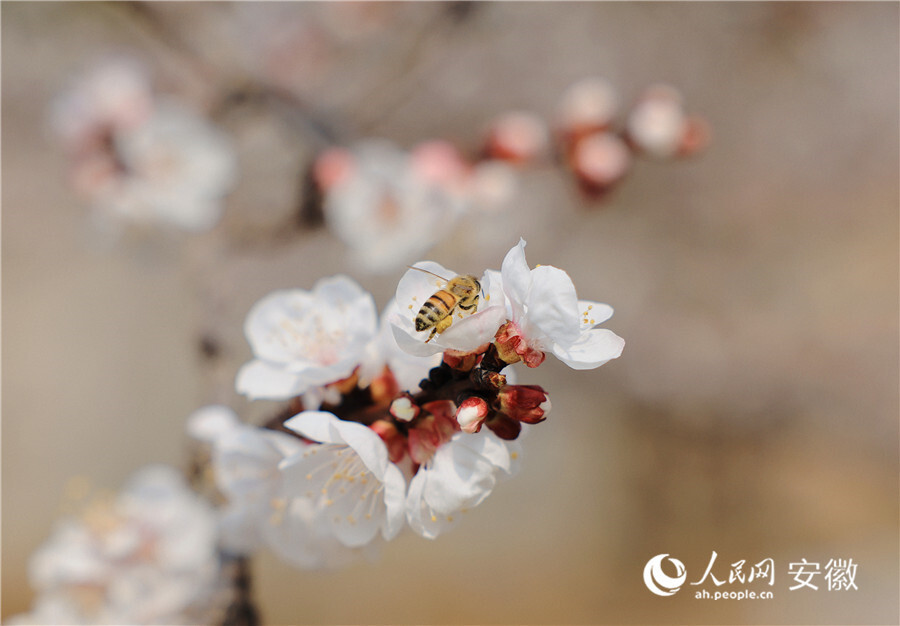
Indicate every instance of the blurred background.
{"type": "Point", "coordinates": [754, 411]}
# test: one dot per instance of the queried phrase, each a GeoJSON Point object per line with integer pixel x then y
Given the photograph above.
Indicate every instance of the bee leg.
{"type": "Point", "coordinates": [431, 336]}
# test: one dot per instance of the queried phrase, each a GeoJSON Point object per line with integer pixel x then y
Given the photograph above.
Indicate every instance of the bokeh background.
{"type": "Point", "coordinates": [754, 411]}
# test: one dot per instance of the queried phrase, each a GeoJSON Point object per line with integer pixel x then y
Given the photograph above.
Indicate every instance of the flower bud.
{"type": "Point", "coordinates": [462, 361]}
{"type": "Point", "coordinates": [404, 409]}
{"type": "Point", "coordinates": [524, 403]}
{"type": "Point", "coordinates": [657, 123]}
{"type": "Point", "coordinates": [431, 431]}
{"type": "Point", "coordinates": [471, 414]}
{"type": "Point", "coordinates": [512, 347]}
{"type": "Point", "coordinates": [393, 439]}
{"type": "Point", "coordinates": [586, 107]}
{"type": "Point", "coordinates": [504, 427]}
{"type": "Point", "coordinates": [384, 388]}
{"type": "Point", "coordinates": [600, 161]}
{"type": "Point", "coordinates": [333, 167]}
{"type": "Point", "coordinates": [517, 137]}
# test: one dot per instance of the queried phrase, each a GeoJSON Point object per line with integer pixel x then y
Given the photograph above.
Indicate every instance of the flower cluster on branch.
{"type": "Point", "coordinates": [407, 421]}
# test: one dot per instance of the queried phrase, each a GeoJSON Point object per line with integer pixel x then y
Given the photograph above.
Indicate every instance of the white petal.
{"type": "Point", "coordinates": [459, 477]}
{"type": "Point", "coordinates": [210, 422]}
{"type": "Point", "coordinates": [349, 299]}
{"type": "Point", "coordinates": [315, 425]}
{"type": "Point", "coordinates": [265, 324]}
{"type": "Point", "coordinates": [411, 341]}
{"type": "Point", "coordinates": [366, 443]}
{"type": "Point", "coordinates": [394, 501]}
{"type": "Point", "coordinates": [422, 519]}
{"type": "Point", "coordinates": [516, 277]}
{"type": "Point", "coordinates": [593, 348]}
{"type": "Point", "coordinates": [261, 380]}
{"type": "Point", "coordinates": [472, 331]}
{"type": "Point", "coordinates": [245, 462]}
{"type": "Point", "coordinates": [552, 305]}
{"type": "Point", "coordinates": [593, 313]}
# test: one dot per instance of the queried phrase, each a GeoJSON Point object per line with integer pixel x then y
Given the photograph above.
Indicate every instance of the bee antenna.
{"type": "Point", "coordinates": [426, 271]}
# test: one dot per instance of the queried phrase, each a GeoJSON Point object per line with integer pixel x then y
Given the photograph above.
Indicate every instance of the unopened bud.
{"type": "Point", "coordinates": [471, 414]}
{"type": "Point", "coordinates": [393, 439]}
{"type": "Point", "coordinates": [517, 137]}
{"type": "Point", "coordinates": [490, 381]}
{"type": "Point", "coordinates": [504, 427]}
{"type": "Point", "coordinates": [384, 388]}
{"type": "Point", "coordinates": [600, 161]}
{"type": "Point", "coordinates": [588, 106]}
{"type": "Point", "coordinates": [657, 123]}
{"type": "Point", "coordinates": [404, 409]}
{"type": "Point", "coordinates": [461, 361]}
{"type": "Point", "coordinates": [524, 403]}
{"type": "Point", "coordinates": [512, 347]}
{"type": "Point", "coordinates": [333, 167]}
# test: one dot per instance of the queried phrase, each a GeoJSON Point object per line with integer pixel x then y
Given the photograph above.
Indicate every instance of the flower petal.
{"type": "Point", "coordinates": [593, 348]}
{"type": "Point", "coordinates": [211, 422]}
{"type": "Point", "coordinates": [516, 277]}
{"type": "Point", "coordinates": [259, 380]}
{"type": "Point", "coordinates": [593, 313]}
{"type": "Point", "coordinates": [475, 330]}
{"type": "Point", "coordinates": [552, 305]}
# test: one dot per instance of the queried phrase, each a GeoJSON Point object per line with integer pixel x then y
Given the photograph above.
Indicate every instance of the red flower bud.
{"type": "Point", "coordinates": [432, 430]}
{"type": "Point", "coordinates": [504, 427]}
{"type": "Point", "coordinates": [393, 439]}
{"type": "Point", "coordinates": [524, 403]}
{"type": "Point", "coordinates": [472, 413]}
{"type": "Point", "coordinates": [512, 347]}
{"type": "Point", "coordinates": [404, 409]}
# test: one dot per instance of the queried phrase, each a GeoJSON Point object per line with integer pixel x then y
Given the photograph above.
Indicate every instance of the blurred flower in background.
{"type": "Point", "coordinates": [146, 556]}
{"type": "Point", "coordinates": [139, 158]}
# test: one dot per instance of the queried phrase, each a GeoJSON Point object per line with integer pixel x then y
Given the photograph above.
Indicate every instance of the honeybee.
{"type": "Point", "coordinates": [459, 292]}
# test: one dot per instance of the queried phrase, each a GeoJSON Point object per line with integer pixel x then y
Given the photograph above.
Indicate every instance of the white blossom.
{"type": "Point", "coordinates": [387, 208]}
{"type": "Point", "coordinates": [350, 488]}
{"type": "Point", "coordinates": [261, 510]}
{"type": "Point", "coordinates": [114, 95]}
{"type": "Point", "coordinates": [140, 159]}
{"type": "Point", "coordinates": [303, 340]}
{"type": "Point", "coordinates": [146, 557]}
{"type": "Point", "coordinates": [175, 168]}
{"type": "Point", "coordinates": [460, 475]}
{"type": "Point", "coordinates": [466, 333]}
{"type": "Point", "coordinates": [546, 315]}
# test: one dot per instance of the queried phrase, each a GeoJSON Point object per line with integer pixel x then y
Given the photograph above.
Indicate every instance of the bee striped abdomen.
{"type": "Point", "coordinates": [436, 308]}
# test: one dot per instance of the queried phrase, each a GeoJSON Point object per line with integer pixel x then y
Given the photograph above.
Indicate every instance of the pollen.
{"type": "Point", "coordinates": [514, 455]}
{"type": "Point", "coordinates": [368, 516]}
{"type": "Point", "coordinates": [449, 518]}
{"type": "Point", "coordinates": [593, 322]}
{"type": "Point", "coordinates": [433, 518]}
{"type": "Point", "coordinates": [487, 297]}
{"type": "Point", "coordinates": [329, 502]}
{"type": "Point", "coordinates": [590, 306]}
{"type": "Point", "coordinates": [351, 519]}
{"type": "Point", "coordinates": [309, 477]}
{"type": "Point", "coordinates": [409, 307]}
